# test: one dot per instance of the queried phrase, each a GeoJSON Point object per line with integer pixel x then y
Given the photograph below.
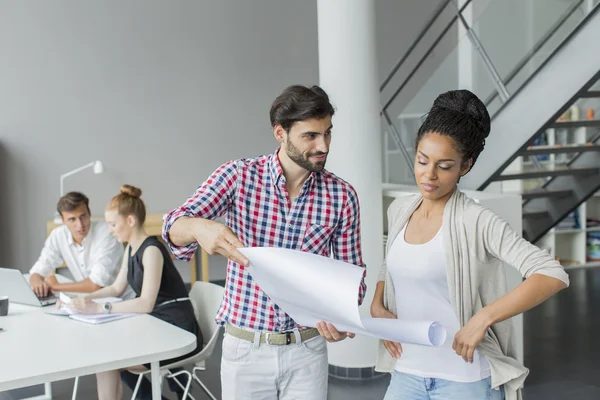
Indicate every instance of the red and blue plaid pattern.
{"type": "Point", "coordinates": [323, 219]}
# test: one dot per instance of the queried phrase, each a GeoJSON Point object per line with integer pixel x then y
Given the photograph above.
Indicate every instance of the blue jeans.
{"type": "Point", "coordinates": [410, 387]}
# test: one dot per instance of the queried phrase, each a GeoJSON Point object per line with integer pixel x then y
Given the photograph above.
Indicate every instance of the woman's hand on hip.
{"type": "Point", "coordinates": [468, 338]}
{"type": "Point", "coordinates": [394, 348]}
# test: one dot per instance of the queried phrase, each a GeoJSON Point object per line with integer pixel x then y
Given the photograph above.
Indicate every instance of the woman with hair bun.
{"type": "Point", "coordinates": [149, 270]}
{"type": "Point", "coordinates": [444, 262]}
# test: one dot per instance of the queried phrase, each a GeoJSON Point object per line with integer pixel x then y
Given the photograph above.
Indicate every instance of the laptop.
{"type": "Point", "coordinates": [14, 285]}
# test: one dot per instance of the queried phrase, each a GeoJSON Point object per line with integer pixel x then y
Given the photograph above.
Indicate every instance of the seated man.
{"type": "Point", "coordinates": [92, 255]}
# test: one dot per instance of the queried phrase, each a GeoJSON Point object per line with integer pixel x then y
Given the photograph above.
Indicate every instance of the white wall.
{"type": "Point", "coordinates": [398, 23]}
{"type": "Point", "coordinates": [530, 20]}
{"type": "Point", "coordinates": [506, 45]}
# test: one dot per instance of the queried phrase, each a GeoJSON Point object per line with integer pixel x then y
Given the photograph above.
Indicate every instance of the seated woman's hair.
{"type": "Point", "coordinates": [461, 115]}
{"type": "Point", "coordinates": [128, 202]}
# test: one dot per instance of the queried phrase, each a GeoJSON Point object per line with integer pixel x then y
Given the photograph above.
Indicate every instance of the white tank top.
{"type": "Point", "coordinates": [421, 288]}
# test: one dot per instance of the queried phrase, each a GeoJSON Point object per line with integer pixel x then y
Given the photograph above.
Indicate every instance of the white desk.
{"type": "Point", "coordinates": [36, 348]}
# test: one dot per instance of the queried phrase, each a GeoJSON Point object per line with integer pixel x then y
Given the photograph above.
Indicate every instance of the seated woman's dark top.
{"type": "Point", "coordinates": [179, 313]}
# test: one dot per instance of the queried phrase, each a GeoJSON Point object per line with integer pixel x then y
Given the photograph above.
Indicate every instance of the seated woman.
{"type": "Point", "coordinates": [444, 263]}
{"type": "Point", "coordinates": [150, 272]}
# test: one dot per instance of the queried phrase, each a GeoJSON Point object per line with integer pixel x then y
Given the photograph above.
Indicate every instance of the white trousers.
{"type": "Point", "coordinates": [263, 372]}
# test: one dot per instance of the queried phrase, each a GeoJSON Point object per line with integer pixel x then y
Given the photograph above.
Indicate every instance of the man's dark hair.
{"type": "Point", "coordinates": [72, 201]}
{"type": "Point", "coordinates": [299, 103]}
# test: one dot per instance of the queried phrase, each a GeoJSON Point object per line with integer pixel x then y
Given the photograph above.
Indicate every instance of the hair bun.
{"type": "Point", "coordinates": [131, 191]}
{"type": "Point", "coordinates": [468, 104]}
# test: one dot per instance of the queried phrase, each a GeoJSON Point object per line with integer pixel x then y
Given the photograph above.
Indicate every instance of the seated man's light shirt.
{"type": "Point", "coordinates": [421, 288]}
{"type": "Point", "coordinates": [98, 257]}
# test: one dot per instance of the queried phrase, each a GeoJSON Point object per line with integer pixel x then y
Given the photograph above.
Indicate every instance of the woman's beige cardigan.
{"type": "Point", "coordinates": [476, 241]}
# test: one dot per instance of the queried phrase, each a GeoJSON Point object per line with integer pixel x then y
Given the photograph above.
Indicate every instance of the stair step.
{"type": "Point", "coordinates": [548, 173]}
{"type": "Point", "coordinates": [590, 94]}
{"type": "Point", "coordinates": [538, 193]}
{"type": "Point", "coordinates": [576, 124]}
{"type": "Point", "coordinates": [535, 150]}
{"type": "Point", "coordinates": [535, 214]}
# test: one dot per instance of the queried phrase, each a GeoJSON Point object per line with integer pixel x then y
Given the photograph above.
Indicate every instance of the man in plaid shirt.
{"type": "Point", "coordinates": [286, 199]}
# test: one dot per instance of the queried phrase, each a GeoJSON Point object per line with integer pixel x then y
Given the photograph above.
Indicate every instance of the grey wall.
{"type": "Point", "coordinates": [161, 92]}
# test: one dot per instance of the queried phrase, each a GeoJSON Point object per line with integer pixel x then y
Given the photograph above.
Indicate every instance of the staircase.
{"type": "Point", "coordinates": [553, 178]}
{"type": "Point", "coordinates": [566, 186]}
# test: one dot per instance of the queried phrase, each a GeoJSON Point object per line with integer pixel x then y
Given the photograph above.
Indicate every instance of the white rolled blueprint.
{"type": "Point", "coordinates": [312, 288]}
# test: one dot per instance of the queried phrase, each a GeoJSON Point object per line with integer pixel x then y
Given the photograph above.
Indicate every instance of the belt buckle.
{"type": "Point", "coordinates": [288, 337]}
{"type": "Point", "coordinates": [267, 337]}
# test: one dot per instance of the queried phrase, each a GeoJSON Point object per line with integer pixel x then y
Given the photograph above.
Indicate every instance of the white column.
{"type": "Point", "coordinates": [348, 73]}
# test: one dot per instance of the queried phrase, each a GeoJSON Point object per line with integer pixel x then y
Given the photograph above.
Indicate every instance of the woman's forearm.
{"type": "Point", "coordinates": [84, 286]}
{"type": "Point", "coordinates": [377, 302]}
{"type": "Point", "coordinates": [137, 305]}
{"type": "Point", "coordinates": [533, 291]}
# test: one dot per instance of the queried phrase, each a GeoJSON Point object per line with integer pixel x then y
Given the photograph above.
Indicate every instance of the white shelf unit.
{"type": "Point", "coordinates": [569, 245]}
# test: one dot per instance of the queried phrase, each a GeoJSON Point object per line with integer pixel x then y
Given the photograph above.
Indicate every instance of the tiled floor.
{"type": "Point", "coordinates": [562, 350]}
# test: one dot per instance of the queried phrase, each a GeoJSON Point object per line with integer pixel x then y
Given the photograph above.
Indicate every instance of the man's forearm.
{"type": "Point", "coordinates": [85, 286]}
{"type": "Point", "coordinates": [181, 232]}
{"type": "Point", "coordinates": [40, 272]}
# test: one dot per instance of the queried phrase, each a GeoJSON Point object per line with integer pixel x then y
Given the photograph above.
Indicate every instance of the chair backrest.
{"type": "Point", "coordinates": [206, 298]}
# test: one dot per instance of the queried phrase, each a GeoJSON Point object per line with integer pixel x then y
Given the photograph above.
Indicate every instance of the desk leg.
{"type": "Point", "coordinates": [193, 271]}
{"type": "Point", "coordinates": [48, 390]}
{"type": "Point", "coordinates": [205, 269]}
{"type": "Point", "coordinates": [155, 375]}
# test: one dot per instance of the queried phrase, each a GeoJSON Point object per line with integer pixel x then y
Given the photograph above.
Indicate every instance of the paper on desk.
{"type": "Point", "coordinates": [312, 288]}
{"type": "Point", "coordinates": [65, 300]}
{"type": "Point", "coordinates": [96, 319]}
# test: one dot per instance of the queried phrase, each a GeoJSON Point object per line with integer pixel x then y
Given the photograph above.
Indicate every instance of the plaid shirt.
{"type": "Point", "coordinates": [323, 218]}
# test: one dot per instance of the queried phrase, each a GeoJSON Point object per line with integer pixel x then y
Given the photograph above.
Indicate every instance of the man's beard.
{"type": "Point", "coordinates": [296, 156]}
